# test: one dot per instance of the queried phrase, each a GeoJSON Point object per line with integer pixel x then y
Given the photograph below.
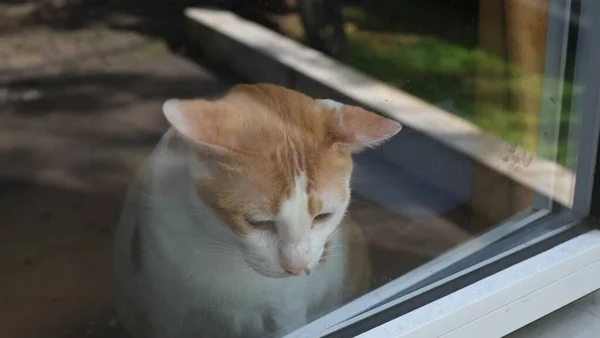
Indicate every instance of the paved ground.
{"type": "Point", "coordinates": [80, 97]}
{"type": "Point", "coordinates": [79, 110]}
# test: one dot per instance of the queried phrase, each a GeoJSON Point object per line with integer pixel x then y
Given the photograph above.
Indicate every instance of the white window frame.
{"type": "Point", "coordinates": [509, 299]}
{"type": "Point", "coordinates": [521, 293]}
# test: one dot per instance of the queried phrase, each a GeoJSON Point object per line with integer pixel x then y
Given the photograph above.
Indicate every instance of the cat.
{"type": "Point", "coordinates": [237, 226]}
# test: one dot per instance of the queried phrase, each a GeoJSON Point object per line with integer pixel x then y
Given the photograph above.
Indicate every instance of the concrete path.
{"type": "Point", "coordinates": [79, 111]}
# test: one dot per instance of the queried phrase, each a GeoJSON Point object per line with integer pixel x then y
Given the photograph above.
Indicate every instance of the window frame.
{"type": "Point", "coordinates": [509, 299]}
{"type": "Point", "coordinates": [562, 247]}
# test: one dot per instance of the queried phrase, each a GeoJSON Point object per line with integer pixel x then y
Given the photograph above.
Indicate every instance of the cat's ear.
{"type": "Point", "coordinates": [205, 123]}
{"type": "Point", "coordinates": [355, 128]}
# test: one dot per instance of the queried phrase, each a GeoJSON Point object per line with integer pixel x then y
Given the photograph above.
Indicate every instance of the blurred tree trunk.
{"type": "Point", "coordinates": [526, 29]}
{"type": "Point", "coordinates": [514, 30]}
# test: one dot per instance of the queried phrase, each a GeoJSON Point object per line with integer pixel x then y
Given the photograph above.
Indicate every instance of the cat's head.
{"type": "Point", "coordinates": [275, 165]}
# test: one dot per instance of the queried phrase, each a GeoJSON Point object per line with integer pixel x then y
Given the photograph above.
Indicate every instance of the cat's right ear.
{"type": "Point", "coordinates": [204, 123]}
{"type": "Point", "coordinates": [355, 129]}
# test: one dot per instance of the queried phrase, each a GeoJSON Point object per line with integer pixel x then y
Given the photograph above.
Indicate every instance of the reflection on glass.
{"type": "Point", "coordinates": [233, 214]}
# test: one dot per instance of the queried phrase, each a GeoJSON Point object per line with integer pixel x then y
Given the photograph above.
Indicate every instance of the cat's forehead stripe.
{"type": "Point", "coordinates": [324, 178]}
{"type": "Point", "coordinates": [294, 214]}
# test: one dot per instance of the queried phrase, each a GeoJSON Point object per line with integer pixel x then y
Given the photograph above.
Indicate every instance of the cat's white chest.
{"type": "Point", "coordinates": [217, 294]}
{"type": "Point", "coordinates": [254, 303]}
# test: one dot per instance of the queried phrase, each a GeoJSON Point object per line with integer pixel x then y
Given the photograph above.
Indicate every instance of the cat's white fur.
{"type": "Point", "coordinates": [181, 273]}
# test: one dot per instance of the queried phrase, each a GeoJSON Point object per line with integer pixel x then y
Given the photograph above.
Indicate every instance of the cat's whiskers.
{"type": "Point", "coordinates": [222, 249]}
{"type": "Point", "coordinates": [218, 248]}
{"type": "Point", "coordinates": [331, 255]}
{"type": "Point", "coordinates": [357, 201]}
{"type": "Point", "coordinates": [203, 238]}
{"type": "Point", "coordinates": [214, 253]}
{"type": "Point", "coordinates": [340, 227]}
{"type": "Point", "coordinates": [250, 266]}
{"type": "Point", "coordinates": [332, 247]}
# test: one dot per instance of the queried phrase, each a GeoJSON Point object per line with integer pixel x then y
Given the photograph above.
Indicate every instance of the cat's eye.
{"type": "Point", "coordinates": [323, 217]}
{"type": "Point", "coordinates": [270, 225]}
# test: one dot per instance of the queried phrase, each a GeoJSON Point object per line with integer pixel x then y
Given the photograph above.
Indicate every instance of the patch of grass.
{"type": "Point", "coordinates": [446, 68]}
{"type": "Point", "coordinates": [435, 71]}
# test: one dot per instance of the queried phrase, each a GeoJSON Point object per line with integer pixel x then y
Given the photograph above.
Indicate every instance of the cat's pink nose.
{"type": "Point", "coordinates": [293, 256]}
{"type": "Point", "coordinates": [295, 269]}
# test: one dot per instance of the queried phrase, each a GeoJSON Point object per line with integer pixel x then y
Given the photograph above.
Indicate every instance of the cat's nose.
{"type": "Point", "coordinates": [295, 269]}
{"type": "Point", "coordinates": [293, 257]}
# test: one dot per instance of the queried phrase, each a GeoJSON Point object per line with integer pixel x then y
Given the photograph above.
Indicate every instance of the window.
{"type": "Point", "coordinates": [484, 201]}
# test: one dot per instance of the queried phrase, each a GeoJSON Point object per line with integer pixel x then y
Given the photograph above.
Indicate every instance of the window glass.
{"type": "Point", "coordinates": [130, 209]}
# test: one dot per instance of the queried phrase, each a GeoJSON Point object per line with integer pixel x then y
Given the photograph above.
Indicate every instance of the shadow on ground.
{"type": "Point", "coordinates": [97, 92]}
{"type": "Point", "coordinates": [159, 19]}
{"type": "Point", "coordinates": [163, 19]}
{"type": "Point", "coordinates": [71, 138]}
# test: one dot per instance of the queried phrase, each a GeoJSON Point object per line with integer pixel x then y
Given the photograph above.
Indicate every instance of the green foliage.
{"type": "Point", "coordinates": [445, 66]}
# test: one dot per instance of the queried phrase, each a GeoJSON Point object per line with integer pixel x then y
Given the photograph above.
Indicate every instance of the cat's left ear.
{"type": "Point", "coordinates": [355, 128]}
{"type": "Point", "coordinates": [208, 124]}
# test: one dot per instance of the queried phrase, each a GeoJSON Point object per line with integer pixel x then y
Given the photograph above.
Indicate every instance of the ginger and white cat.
{"type": "Point", "coordinates": [236, 227]}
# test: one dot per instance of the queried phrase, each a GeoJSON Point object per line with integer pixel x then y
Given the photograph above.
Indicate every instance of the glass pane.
{"type": "Point", "coordinates": [426, 131]}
